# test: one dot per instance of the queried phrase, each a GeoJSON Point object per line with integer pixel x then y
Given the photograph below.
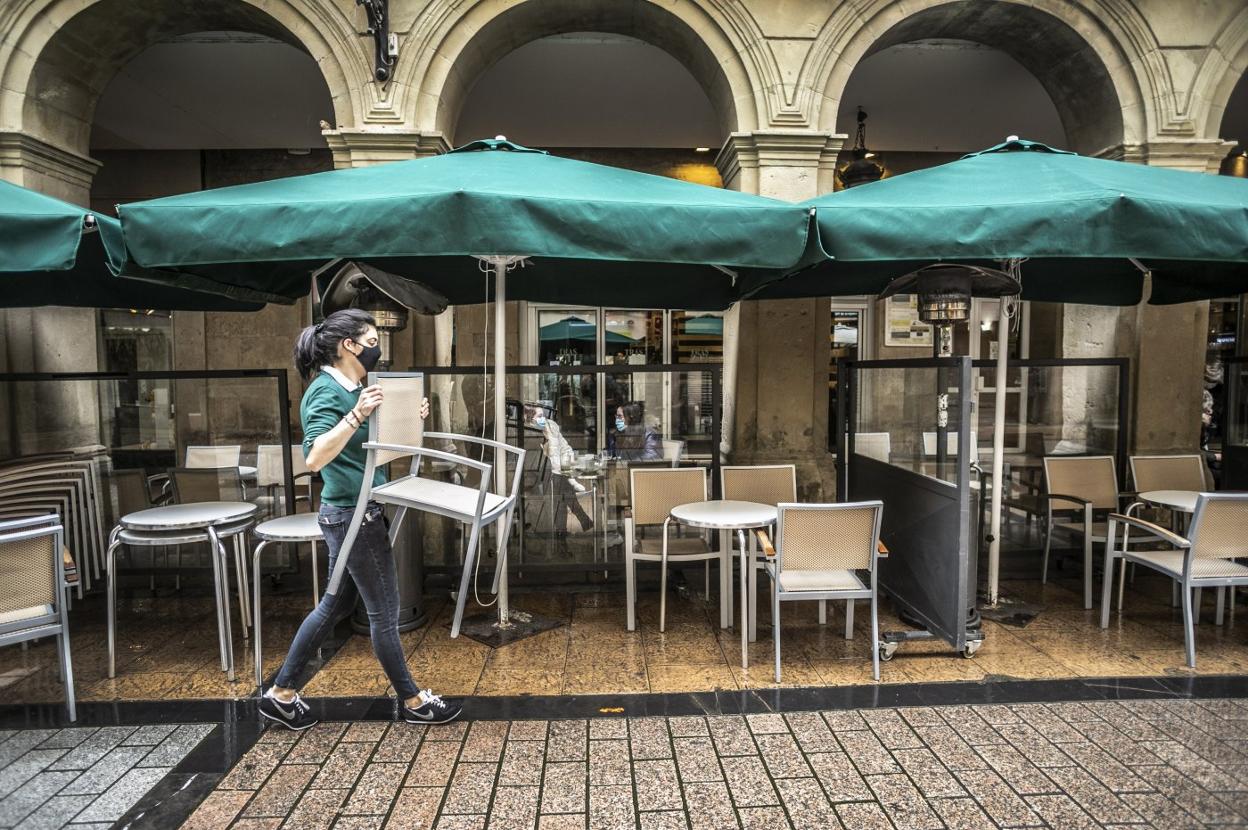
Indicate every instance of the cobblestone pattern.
{"type": "Point", "coordinates": [84, 777]}
{"type": "Point", "coordinates": [1170, 764]}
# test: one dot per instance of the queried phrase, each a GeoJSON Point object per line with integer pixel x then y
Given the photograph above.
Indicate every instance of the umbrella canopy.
{"type": "Point", "coordinates": [591, 234]}
{"type": "Point", "coordinates": [1082, 225]}
{"type": "Point", "coordinates": [57, 253]}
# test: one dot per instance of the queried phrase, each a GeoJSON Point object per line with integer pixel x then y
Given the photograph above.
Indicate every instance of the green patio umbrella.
{"type": "Point", "coordinates": [1074, 229]}
{"type": "Point", "coordinates": [57, 253]}
{"type": "Point", "coordinates": [574, 329]}
{"type": "Point", "coordinates": [1088, 228]}
{"type": "Point", "coordinates": [568, 231]}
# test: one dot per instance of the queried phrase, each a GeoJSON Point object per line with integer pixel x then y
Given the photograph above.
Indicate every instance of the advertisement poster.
{"type": "Point", "coordinates": [902, 326]}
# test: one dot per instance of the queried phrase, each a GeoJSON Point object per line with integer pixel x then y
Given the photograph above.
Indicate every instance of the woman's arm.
{"type": "Point", "coordinates": [326, 446]}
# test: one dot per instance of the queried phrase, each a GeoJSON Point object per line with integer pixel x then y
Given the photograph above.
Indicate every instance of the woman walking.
{"type": "Point", "coordinates": [337, 355]}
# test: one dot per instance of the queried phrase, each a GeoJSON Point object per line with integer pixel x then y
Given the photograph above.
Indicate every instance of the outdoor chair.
{"type": "Point", "coordinates": [33, 606]}
{"type": "Point", "coordinates": [772, 484]}
{"type": "Point", "coordinates": [213, 456]}
{"type": "Point", "coordinates": [1170, 472]}
{"type": "Point", "coordinates": [271, 477]}
{"type": "Point", "coordinates": [655, 491]}
{"type": "Point", "coordinates": [73, 483]}
{"type": "Point", "coordinates": [819, 551]}
{"type": "Point", "coordinates": [1084, 486]}
{"type": "Point", "coordinates": [877, 445]}
{"type": "Point", "coordinates": [673, 451]}
{"type": "Point", "coordinates": [292, 529]}
{"type": "Point", "coordinates": [1204, 558]}
{"type": "Point", "coordinates": [207, 484]}
{"type": "Point", "coordinates": [395, 430]}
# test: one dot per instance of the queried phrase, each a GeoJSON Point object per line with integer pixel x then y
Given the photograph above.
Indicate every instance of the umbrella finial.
{"type": "Point", "coordinates": [500, 138]}
{"type": "Point", "coordinates": [1011, 138]}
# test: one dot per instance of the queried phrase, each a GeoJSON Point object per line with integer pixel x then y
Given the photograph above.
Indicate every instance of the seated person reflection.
{"type": "Point", "coordinates": [561, 457]}
{"type": "Point", "coordinates": [633, 439]}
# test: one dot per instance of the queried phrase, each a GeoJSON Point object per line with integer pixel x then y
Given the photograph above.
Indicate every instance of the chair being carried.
{"type": "Point", "coordinates": [396, 430]}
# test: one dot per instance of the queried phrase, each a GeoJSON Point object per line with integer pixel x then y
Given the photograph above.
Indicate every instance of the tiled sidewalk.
{"type": "Point", "coordinates": [85, 777]}
{"type": "Point", "coordinates": [1160, 763]}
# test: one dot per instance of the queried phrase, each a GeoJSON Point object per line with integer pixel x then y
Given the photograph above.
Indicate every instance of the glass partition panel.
{"type": "Point", "coordinates": [908, 417]}
{"type": "Point", "coordinates": [575, 483]}
{"type": "Point", "coordinates": [1228, 457]}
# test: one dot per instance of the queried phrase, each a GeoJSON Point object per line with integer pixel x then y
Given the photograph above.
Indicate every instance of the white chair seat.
{"type": "Point", "coordinates": [1171, 562]}
{"type": "Point", "coordinates": [818, 581]}
{"type": "Point", "coordinates": [25, 613]}
{"type": "Point", "coordinates": [179, 536]}
{"type": "Point", "coordinates": [300, 527]}
{"type": "Point", "coordinates": [439, 496]}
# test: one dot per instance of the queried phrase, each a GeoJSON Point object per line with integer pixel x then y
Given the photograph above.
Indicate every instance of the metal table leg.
{"type": "Point", "coordinates": [745, 601]}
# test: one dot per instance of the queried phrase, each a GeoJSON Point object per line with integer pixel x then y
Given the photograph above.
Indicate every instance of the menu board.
{"type": "Point", "coordinates": [901, 323]}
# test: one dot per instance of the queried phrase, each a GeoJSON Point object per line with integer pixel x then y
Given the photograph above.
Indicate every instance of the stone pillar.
{"type": "Point", "coordinates": [50, 339]}
{"type": "Point", "coordinates": [780, 391]}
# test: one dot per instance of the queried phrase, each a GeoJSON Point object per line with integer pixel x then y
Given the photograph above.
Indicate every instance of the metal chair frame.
{"type": "Point", "coordinates": [54, 621]}
{"type": "Point", "coordinates": [268, 535]}
{"type": "Point", "coordinates": [775, 569]}
{"type": "Point", "coordinates": [228, 478]}
{"type": "Point", "coordinates": [726, 490]}
{"type": "Point", "coordinates": [1189, 546]}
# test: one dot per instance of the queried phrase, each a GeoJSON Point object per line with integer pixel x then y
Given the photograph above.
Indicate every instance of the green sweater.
{"type": "Point", "coordinates": [323, 406]}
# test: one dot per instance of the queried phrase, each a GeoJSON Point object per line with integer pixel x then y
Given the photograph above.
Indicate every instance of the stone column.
{"type": "Point", "coordinates": [49, 339]}
{"type": "Point", "coordinates": [780, 388]}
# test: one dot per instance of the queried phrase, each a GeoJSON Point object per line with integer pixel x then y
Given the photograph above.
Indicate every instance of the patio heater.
{"type": "Point", "coordinates": [388, 299]}
{"type": "Point", "coordinates": [945, 291]}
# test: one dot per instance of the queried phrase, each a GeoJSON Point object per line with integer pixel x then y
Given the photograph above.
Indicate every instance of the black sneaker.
{"type": "Point", "coordinates": [433, 710]}
{"type": "Point", "coordinates": [295, 715]}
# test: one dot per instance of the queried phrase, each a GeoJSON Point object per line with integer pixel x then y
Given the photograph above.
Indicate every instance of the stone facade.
{"type": "Point", "coordinates": [1143, 80]}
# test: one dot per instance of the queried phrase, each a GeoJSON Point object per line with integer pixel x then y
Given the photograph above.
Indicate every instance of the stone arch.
{"type": "Point", "coordinates": [64, 52]}
{"type": "Point", "coordinates": [454, 57]}
{"type": "Point", "coordinates": [1070, 51]}
{"type": "Point", "coordinates": [1225, 64]}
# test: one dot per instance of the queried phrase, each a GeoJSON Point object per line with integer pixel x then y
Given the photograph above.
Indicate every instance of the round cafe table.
{"type": "Point", "coordinates": [741, 516]}
{"type": "Point", "coordinates": [182, 524]}
{"type": "Point", "coordinates": [1184, 501]}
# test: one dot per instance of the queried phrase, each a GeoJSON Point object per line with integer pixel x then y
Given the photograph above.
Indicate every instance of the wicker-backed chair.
{"type": "Point", "coordinates": [396, 431]}
{"type": "Point", "coordinates": [877, 445]}
{"type": "Point", "coordinates": [673, 451]}
{"type": "Point", "coordinates": [655, 491]}
{"type": "Point", "coordinates": [1084, 485]}
{"type": "Point", "coordinates": [32, 605]}
{"type": "Point", "coordinates": [202, 484]}
{"type": "Point", "coordinates": [772, 484]}
{"type": "Point", "coordinates": [820, 550]}
{"type": "Point", "coordinates": [1170, 472]}
{"type": "Point", "coordinates": [223, 455]}
{"type": "Point", "coordinates": [1204, 558]}
{"type": "Point", "coordinates": [271, 477]}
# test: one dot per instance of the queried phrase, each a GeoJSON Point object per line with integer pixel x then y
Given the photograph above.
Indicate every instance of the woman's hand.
{"type": "Point", "coordinates": [424, 408]}
{"type": "Point", "coordinates": [369, 400]}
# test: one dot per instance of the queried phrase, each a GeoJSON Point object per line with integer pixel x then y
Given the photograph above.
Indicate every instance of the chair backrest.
{"type": "Point", "coordinates": [1168, 472]}
{"type": "Point", "coordinates": [1090, 477]}
{"type": "Point", "coordinates": [762, 484]}
{"type": "Point", "coordinates": [656, 490]}
{"type": "Point", "coordinates": [929, 444]}
{"type": "Point", "coordinates": [828, 537]}
{"type": "Point", "coordinates": [30, 559]}
{"type": "Point", "coordinates": [673, 450]}
{"type": "Point", "coordinates": [132, 493]}
{"type": "Point", "coordinates": [1218, 526]}
{"type": "Point", "coordinates": [877, 445]}
{"type": "Point", "coordinates": [397, 420]}
{"type": "Point", "coordinates": [269, 472]}
{"type": "Point", "coordinates": [200, 484]}
{"type": "Point", "coordinates": [213, 456]}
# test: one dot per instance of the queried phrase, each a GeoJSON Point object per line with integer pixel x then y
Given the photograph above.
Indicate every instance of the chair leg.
{"type": "Point", "coordinates": [775, 625]}
{"type": "Point", "coordinates": [1199, 601]}
{"type": "Point", "coordinates": [223, 600]}
{"type": "Point", "coordinates": [110, 589]}
{"type": "Point", "coordinates": [470, 555]}
{"type": "Point", "coordinates": [663, 579]}
{"type": "Point", "coordinates": [823, 612]}
{"type": "Point", "coordinates": [1087, 558]}
{"type": "Point", "coordinates": [244, 599]}
{"type": "Point", "coordinates": [1220, 608]}
{"type": "Point", "coordinates": [255, 606]}
{"type": "Point", "coordinates": [849, 619]}
{"type": "Point", "coordinates": [1122, 582]}
{"type": "Point", "coordinates": [67, 669]}
{"type": "Point", "coordinates": [725, 588]}
{"type": "Point", "coordinates": [753, 588]}
{"type": "Point", "coordinates": [1048, 538]}
{"type": "Point", "coordinates": [1189, 630]}
{"type": "Point", "coordinates": [725, 547]}
{"type": "Point", "coordinates": [706, 592]}
{"type": "Point", "coordinates": [630, 589]}
{"type": "Point", "coordinates": [1107, 587]}
{"type": "Point", "coordinates": [875, 636]}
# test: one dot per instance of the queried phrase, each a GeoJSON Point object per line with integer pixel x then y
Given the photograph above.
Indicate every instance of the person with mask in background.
{"type": "Point", "coordinates": [336, 355]}
{"type": "Point", "coordinates": [561, 457]}
{"type": "Point", "coordinates": [632, 439]}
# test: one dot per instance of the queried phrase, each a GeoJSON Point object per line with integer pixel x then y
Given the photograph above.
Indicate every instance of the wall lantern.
{"type": "Point", "coordinates": [863, 168]}
{"type": "Point", "coordinates": [1235, 163]}
{"type": "Point", "coordinates": [385, 44]}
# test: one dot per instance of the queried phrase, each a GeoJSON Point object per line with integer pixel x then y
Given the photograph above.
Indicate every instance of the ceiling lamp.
{"type": "Point", "coordinates": [1235, 163]}
{"type": "Point", "coordinates": [863, 168]}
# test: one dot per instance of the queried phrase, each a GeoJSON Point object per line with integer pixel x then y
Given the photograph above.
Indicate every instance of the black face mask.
{"type": "Point", "coordinates": [368, 357]}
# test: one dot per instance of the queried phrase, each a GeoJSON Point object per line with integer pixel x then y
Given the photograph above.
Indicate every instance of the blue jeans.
{"type": "Point", "coordinates": [370, 575]}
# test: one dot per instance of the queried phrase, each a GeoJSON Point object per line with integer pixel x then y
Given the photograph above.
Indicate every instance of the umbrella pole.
{"type": "Point", "coordinates": [500, 421]}
{"type": "Point", "coordinates": [998, 453]}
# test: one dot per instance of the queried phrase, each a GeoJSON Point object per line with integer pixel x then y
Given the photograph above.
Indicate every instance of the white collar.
{"type": "Point", "coordinates": [342, 379]}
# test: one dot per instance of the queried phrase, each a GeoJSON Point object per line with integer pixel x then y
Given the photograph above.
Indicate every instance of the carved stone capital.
{"type": "Point", "coordinates": [360, 148]}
